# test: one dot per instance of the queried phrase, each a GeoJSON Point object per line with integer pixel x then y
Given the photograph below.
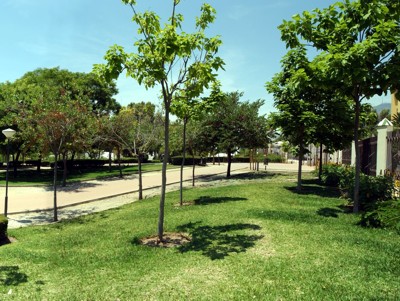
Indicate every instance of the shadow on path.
{"type": "Point", "coordinates": [217, 242]}
{"type": "Point", "coordinates": [73, 187]}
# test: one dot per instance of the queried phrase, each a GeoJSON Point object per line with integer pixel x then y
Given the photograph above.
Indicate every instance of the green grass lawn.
{"type": "Point", "coordinates": [253, 240]}
{"type": "Point", "coordinates": [28, 177]}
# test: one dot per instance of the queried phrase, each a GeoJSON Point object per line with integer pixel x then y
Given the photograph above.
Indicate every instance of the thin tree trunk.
{"type": "Point", "coordinates": [109, 160]}
{"type": "Point", "coordinates": [119, 161]}
{"type": "Point", "coordinates": [228, 173]}
{"type": "Point", "coordinates": [183, 162]}
{"type": "Point", "coordinates": [39, 163]}
{"type": "Point", "coordinates": [320, 163]}
{"type": "Point", "coordinates": [164, 172]}
{"type": "Point", "coordinates": [250, 158]}
{"type": "Point", "coordinates": [356, 203]}
{"type": "Point", "coordinates": [15, 164]}
{"type": "Point", "coordinates": [65, 171]}
{"type": "Point", "coordinates": [193, 169]}
{"type": "Point", "coordinates": [301, 152]}
{"type": "Point", "coordinates": [140, 176]}
{"type": "Point", "coordinates": [55, 217]}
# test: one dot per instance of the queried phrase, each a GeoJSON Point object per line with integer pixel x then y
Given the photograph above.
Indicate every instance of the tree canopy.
{"type": "Point", "coordinates": [359, 44]}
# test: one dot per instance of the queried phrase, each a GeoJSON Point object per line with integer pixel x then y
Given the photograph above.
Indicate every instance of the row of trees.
{"type": "Point", "coordinates": [65, 113]}
{"type": "Point", "coordinates": [338, 56]}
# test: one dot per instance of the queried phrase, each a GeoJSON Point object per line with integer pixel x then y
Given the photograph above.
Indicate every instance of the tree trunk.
{"type": "Point", "coordinates": [356, 203]}
{"type": "Point", "coordinates": [164, 171]}
{"type": "Point", "coordinates": [15, 164]}
{"type": "Point", "coordinates": [320, 163]}
{"type": "Point", "coordinates": [140, 176]}
{"type": "Point", "coordinates": [228, 173]}
{"type": "Point", "coordinates": [193, 169]}
{"type": "Point", "coordinates": [39, 163]}
{"type": "Point", "coordinates": [109, 161]}
{"type": "Point", "coordinates": [301, 153]}
{"type": "Point", "coordinates": [119, 161]}
{"type": "Point", "coordinates": [65, 171]}
{"type": "Point", "coordinates": [55, 217]}
{"type": "Point", "coordinates": [250, 158]}
{"type": "Point", "coordinates": [183, 162]}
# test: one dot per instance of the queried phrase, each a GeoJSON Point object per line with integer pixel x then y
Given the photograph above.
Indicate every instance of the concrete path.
{"type": "Point", "coordinates": [33, 205]}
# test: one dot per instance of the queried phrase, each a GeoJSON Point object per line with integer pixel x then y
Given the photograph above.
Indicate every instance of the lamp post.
{"type": "Point", "coordinates": [8, 133]}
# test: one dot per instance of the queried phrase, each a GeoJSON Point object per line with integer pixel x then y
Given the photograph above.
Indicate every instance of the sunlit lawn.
{"type": "Point", "coordinates": [27, 177]}
{"type": "Point", "coordinates": [254, 240]}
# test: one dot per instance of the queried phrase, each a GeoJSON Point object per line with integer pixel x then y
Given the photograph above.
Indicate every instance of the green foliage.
{"type": "Point", "coordinates": [372, 189]}
{"type": "Point", "coordinates": [383, 215]}
{"type": "Point", "coordinates": [177, 160]}
{"type": "Point", "coordinates": [332, 174]}
{"type": "Point", "coordinates": [275, 158]}
{"type": "Point", "coordinates": [3, 227]}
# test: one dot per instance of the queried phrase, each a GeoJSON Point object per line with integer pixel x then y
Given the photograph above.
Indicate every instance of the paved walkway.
{"type": "Point", "coordinates": [33, 205]}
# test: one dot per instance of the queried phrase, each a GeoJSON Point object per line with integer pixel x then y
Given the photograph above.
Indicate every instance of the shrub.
{"type": "Point", "coordinates": [3, 227]}
{"type": "Point", "coordinates": [332, 173]}
{"type": "Point", "coordinates": [132, 160]}
{"type": "Point", "coordinates": [384, 215]}
{"type": "Point", "coordinates": [275, 158]}
{"type": "Point", "coordinates": [372, 189]}
{"type": "Point", "coordinates": [177, 160]}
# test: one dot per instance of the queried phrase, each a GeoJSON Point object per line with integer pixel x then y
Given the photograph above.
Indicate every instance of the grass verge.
{"type": "Point", "coordinates": [254, 240]}
{"type": "Point", "coordinates": [29, 177]}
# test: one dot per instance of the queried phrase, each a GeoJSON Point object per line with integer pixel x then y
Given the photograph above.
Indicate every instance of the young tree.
{"type": "Point", "coordinates": [170, 57]}
{"type": "Point", "coordinates": [360, 42]}
{"type": "Point", "coordinates": [58, 120]}
{"type": "Point", "coordinates": [186, 109]}
{"type": "Point", "coordinates": [295, 100]}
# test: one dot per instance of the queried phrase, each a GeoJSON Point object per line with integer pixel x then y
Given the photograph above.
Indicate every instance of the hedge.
{"type": "Point", "coordinates": [177, 160]}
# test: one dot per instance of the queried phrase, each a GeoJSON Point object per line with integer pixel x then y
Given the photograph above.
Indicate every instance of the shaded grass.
{"type": "Point", "coordinates": [268, 244]}
{"type": "Point", "coordinates": [29, 177]}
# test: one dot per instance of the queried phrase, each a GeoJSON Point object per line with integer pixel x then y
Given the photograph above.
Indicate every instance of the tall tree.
{"type": "Point", "coordinates": [234, 124]}
{"type": "Point", "coordinates": [170, 57]}
{"type": "Point", "coordinates": [295, 100]}
{"type": "Point", "coordinates": [360, 42]}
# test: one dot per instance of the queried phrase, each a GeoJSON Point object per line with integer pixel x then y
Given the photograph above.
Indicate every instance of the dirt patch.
{"type": "Point", "coordinates": [169, 240]}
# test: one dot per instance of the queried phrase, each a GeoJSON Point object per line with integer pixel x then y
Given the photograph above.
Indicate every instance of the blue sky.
{"type": "Point", "coordinates": [75, 34]}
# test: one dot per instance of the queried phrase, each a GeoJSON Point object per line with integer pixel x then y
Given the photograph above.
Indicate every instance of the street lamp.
{"type": "Point", "coordinates": [8, 133]}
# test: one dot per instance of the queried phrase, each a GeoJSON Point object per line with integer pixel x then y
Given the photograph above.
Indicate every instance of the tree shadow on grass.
{"type": "Point", "coordinates": [10, 275]}
{"type": "Point", "coordinates": [207, 200]}
{"type": "Point", "coordinates": [322, 191]}
{"type": "Point", "coordinates": [285, 216]}
{"type": "Point", "coordinates": [329, 212]}
{"type": "Point", "coordinates": [241, 176]}
{"type": "Point", "coordinates": [217, 242]}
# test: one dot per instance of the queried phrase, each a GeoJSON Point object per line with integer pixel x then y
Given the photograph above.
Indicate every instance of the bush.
{"type": "Point", "coordinates": [177, 160]}
{"type": "Point", "coordinates": [274, 158]}
{"type": "Point", "coordinates": [332, 173]}
{"type": "Point", "coordinates": [372, 189]}
{"type": "Point", "coordinates": [132, 160]}
{"type": "Point", "coordinates": [3, 227]}
{"type": "Point", "coordinates": [384, 215]}
{"type": "Point", "coordinates": [80, 163]}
